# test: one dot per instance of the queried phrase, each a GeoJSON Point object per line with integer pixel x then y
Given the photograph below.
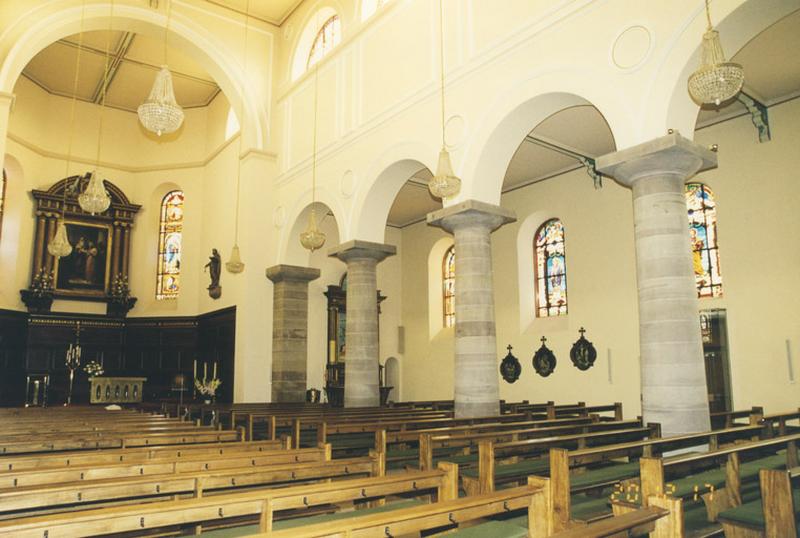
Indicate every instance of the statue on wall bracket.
{"type": "Point", "coordinates": [510, 368]}
{"type": "Point", "coordinates": [583, 354]}
{"type": "Point", "coordinates": [544, 361]}
{"type": "Point", "coordinates": [214, 266]}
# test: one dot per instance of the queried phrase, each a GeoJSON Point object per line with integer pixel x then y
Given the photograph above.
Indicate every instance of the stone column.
{"type": "Point", "coordinates": [477, 391]}
{"type": "Point", "coordinates": [673, 375]}
{"type": "Point", "coordinates": [361, 328]}
{"type": "Point", "coordinates": [290, 330]}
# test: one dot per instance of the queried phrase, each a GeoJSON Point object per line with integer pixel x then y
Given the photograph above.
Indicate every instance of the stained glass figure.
{"type": "Point", "coordinates": [449, 287]}
{"type": "Point", "coordinates": [169, 246]}
{"type": "Point", "coordinates": [703, 235]}
{"type": "Point", "coordinates": [329, 35]}
{"type": "Point", "coordinates": [551, 270]}
{"type": "Point", "coordinates": [2, 197]}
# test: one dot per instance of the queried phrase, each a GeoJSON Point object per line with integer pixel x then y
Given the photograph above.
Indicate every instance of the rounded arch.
{"type": "Point", "coordinates": [392, 378]}
{"type": "Point", "coordinates": [47, 23]}
{"type": "Point", "coordinates": [329, 219]}
{"type": "Point", "coordinates": [668, 103]}
{"type": "Point", "coordinates": [311, 25]}
{"type": "Point", "coordinates": [385, 177]}
{"type": "Point", "coordinates": [514, 113]}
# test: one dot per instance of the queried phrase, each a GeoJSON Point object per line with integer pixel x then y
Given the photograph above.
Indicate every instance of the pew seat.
{"type": "Point", "coordinates": [495, 529]}
{"type": "Point", "coordinates": [248, 530]}
{"type": "Point", "coordinates": [750, 515]}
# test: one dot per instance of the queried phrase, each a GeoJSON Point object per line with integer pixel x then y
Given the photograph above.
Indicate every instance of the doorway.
{"type": "Point", "coordinates": [714, 334]}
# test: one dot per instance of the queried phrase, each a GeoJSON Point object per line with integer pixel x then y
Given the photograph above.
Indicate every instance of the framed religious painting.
{"type": "Point", "coordinates": [86, 270]}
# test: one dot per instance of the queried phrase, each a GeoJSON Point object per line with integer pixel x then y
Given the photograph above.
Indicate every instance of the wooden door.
{"type": "Point", "coordinates": [715, 351]}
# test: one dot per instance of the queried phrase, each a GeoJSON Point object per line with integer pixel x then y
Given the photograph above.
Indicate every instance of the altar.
{"type": "Point", "coordinates": [108, 390]}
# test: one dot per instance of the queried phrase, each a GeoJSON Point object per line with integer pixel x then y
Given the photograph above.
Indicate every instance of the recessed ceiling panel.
{"type": "Point", "coordinates": [412, 203]}
{"type": "Point", "coordinates": [532, 162]}
{"type": "Point", "coordinates": [274, 11]}
{"type": "Point", "coordinates": [98, 39]}
{"type": "Point", "coordinates": [580, 127]}
{"type": "Point", "coordinates": [149, 50]}
{"type": "Point", "coordinates": [54, 69]}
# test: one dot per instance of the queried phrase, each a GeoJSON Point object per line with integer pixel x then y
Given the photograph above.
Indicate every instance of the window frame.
{"type": "Point", "coordinates": [449, 319]}
{"type": "Point", "coordinates": [709, 221]}
{"type": "Point", "coordinates": [544, 311]}
{"type": "Point", "coordinates": [164, 229]}
{"type": "Point", "coordinates": [320, 35]}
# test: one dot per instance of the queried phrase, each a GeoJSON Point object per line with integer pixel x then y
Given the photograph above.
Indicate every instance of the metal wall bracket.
{"type": "Point", "coordinates": [586, 161]}
{"type": "Point", "coordinates": [759, 115]}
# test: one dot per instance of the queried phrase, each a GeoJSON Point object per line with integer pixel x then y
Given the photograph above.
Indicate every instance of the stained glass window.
{"type": "Point", "coordinates": [2, 197]}
{"type": "Point", "coordinates": [449, 287]}
{"type": "Point", "coordinates": [551, 270]}
{"type": "Point", "coordinates": [703, 234]}
{"type": "Point", "coordinates": [328, 37]}
{"type": "Point", "coordinates": [168, 281]}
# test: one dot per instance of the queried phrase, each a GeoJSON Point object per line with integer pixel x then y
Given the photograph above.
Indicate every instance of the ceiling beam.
{"type": "Point", "coordinates": [114, 63]}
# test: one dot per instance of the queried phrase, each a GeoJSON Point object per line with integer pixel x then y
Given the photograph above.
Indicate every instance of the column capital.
{"type": "Point", "coordinates": [295, 273]}
{"type": "Point", "coordinates": [356, 248]}
{"type": "Point", "coordinates": [471, 213]}
{"type": "Point", "coordinates": [670, 154]}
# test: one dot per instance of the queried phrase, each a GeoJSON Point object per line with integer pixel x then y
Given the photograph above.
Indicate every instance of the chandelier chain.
{"type": "Point", "coordinates": [71, 137]}
{"type": "Point", "coordinates": [708, 14]}
{"type": "Point", "coordinates": [104, 89]}
{"type": "Point", "coordinates": [241, 122]}
{"type": "Point", "coordinates": [441, 60]}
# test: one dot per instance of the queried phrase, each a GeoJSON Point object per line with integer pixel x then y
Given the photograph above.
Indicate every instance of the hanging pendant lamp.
{"type": "Point", "coordinates": [161, 113]}
{"type": "Point", "coordinates": [313, 238]}
{"type": "Point", "coordinates": [94, 199]}
{"type": "Point", "coordinates": [444, 183]}
{"type": "Point", "coordinates": [717, 80]}
{"type": "Point", "coordinates": [59, 245]}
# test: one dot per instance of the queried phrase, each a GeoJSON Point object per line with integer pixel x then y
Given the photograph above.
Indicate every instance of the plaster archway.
{"type": "Point", "coordinates": [390, 171]}
{"type": "Point", "coordinates": [45, 24]}
{"type": "Point", "coordinates": [514, 113]}
{"type": "Point", "coordinates": [669, 105]}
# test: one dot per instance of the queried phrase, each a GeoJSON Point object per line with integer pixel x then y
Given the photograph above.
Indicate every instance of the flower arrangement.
{"type": "Point", "coordinates": [120, 289]}
{"type": "Point", "coordinates": [42, 283]}
{"type": "Point", "coordinates": [94, 369]}
{"type": "Point", "coordinates": [207, 387]}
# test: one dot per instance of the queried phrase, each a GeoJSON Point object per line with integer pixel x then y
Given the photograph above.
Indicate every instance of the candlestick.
{"type": "Point", "coordinates": [205, 371]}
{"type": "Point", "coordinates": [194, 371]}
{"type": "Point", "coordinates": [215, 371]}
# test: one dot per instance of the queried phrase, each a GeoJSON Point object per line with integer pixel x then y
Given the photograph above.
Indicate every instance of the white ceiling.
{"type": "Point", "coordinates": [772, 74]}
{"type": "Point", "coordinates": [134, 60]}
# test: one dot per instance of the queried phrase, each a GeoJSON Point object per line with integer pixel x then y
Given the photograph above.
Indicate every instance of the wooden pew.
{"type": "Point", "coordinates": [470, 438]}
{"type": "Point", "coordinates": [773, 516]}
{"type": "Point", "coordinates": [172, 463]}
{"type": "Point", "coordinates": [533, 449]}
{"type": "Point", "coordinates": [60, 460]}
{"type": "Point", "coordinates": [780, 420]}
{"type": "Point", "coordinates": [452, 513]}
{"type": "Point", "coordinates": [727, 419]}
{"type": "Point", "coordinates": [643, 520]}
{"type": "Point", "coordinates": [561, 461]}
{"type": "Point", "coordinates": [263, 504]}
{"type": "Point", "coordinates": [134, 489]}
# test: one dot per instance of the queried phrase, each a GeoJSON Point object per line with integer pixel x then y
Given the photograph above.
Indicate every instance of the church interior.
{"type": "Point", "coordinates": [230, 303]}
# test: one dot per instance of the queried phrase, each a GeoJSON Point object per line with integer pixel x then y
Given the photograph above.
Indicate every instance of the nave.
{"type": "Point", "coordinates": [308, 470]}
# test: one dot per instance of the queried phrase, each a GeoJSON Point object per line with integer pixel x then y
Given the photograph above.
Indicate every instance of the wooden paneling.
{"type": "Point", "coordinates": [156, 348]}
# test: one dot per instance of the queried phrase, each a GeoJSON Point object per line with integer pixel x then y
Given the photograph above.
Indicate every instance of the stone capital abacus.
{"type": "Point", "coordinates": [671, 155]}
{"type": "Point", "coordinates": [471, 213]}
{"type": "Point", "coordinates": [292, 273]}
{"type": "Point", "coordinates": [357, 249]}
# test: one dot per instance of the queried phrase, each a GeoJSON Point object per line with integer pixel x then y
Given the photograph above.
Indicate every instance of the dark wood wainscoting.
{"type": "Point", "coordinates": [157, 348]}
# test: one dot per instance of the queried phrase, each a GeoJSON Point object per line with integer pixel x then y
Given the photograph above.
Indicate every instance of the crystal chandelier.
{"type": "Point", "coordinates": [716, 80]}
{"type": "Point", "coordinates": [313, 238]}
{"type": "Point", "coordinates": [94, 199]}
{"type": "Point", "coordinates": [160, 113]}
{"type": "Point", "coordinates": [235, 264]}
{"type": "Point", "coordinates": [59, 245]}
{"type": "Point", "coordinates": [444, 184]}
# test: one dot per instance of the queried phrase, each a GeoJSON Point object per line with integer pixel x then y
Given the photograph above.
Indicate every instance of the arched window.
{"type": "Point", "coordinates": [449, 287]}
{"type": "Point", "coordinates": [327, 37]}
{"type": "Point", "coordinates": [551, 269]}
{"type": "Point", "coordinates": [703, 232]}
{"type": "Point", "coordinates": [2, 197]}
{"type": "Point", "coordinates": [169, 246]}
{"type": "Point", "coordinates": [370, 7]}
